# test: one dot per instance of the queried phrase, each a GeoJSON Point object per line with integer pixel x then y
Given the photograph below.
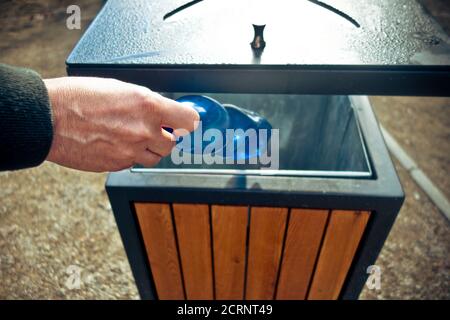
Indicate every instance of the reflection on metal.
{"type": "Point", "coordinates": [319, 3]}
{"type": "Point", "coordinates": [134, 56]}
{"type": "Point", "coordinates": [181, 8]}
{"type": "Point", "coordinates": [296, 173]}
{"type": "Point", "coordinates": [258, 44]}
{"type": "Point", "coordinates": [337, 11]}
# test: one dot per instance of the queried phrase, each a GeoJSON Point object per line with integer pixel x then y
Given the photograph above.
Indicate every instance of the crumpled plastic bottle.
{"type": "Point", "coordinates": [226, 119]}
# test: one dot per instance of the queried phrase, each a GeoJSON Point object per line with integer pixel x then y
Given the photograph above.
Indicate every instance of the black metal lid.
{"type": "Point", "coordinates": [309, 46]}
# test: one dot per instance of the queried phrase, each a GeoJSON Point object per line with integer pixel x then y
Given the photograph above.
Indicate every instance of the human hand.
{"type": "Point", "coordinates": [109, 125]}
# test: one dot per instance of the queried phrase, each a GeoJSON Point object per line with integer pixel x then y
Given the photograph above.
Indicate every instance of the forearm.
{"type": "Point", "coordinates": [26, 130]}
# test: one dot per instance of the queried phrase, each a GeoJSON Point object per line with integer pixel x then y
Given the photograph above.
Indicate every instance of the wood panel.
{"type": "Point", "coordinates": [342, 237]}
{"type": "Point", "coordinates": [156, 226]}
{"type": "Point", "coordinates": [267, 229]}
{"type": "Point", "coordinates": [229, 241]}
{"type": "Point", "coordinates": [303, 238]}
{"type": "Point", "coordinates": [194, 242]}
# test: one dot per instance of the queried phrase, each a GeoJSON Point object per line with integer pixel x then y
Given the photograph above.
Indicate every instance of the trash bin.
{"type": "Point", "coordinates": [308, 227]}
{"type": "Point", "coordinates": [308, 230]}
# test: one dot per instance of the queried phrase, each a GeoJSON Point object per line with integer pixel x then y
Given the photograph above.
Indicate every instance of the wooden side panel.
{"type": "Point", "coordinates": [342, 237]}
{"type": "Point", "coordinates": [304, 235]}
{"type": "Point", "coordinates": [194, 242]}
{"type": "Point", "coordinates": [156, 226]}
{"type": "Point", "coordinates": [267, 229]}
{"type": "Point", "coordinates": [229, 240]}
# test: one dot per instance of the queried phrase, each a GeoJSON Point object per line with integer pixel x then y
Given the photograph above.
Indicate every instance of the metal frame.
{"type": "Point", "coordinates": [382, 195]}
{"type": "Point", "coordinates": [263, 172]}
{"type": "Point", "coordinates": [321, 79]}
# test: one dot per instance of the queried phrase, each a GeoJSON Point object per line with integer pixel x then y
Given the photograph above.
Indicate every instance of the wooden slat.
{"type": "Point", "coordinates": [157, 231]}
{"type": "Point", "coordinates": [267, 229]}
{"type": "Point", "coordinates": [342, 237]}
{"type": "Point", "coordinates": [305, 232]}
{"type": "Point", "coordinates": [194, 242]}
{"type": "Point", "coordinates": [229, 240]}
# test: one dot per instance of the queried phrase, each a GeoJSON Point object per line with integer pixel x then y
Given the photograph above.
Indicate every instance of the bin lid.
{"type": "Point", "coordinates": [314, 47]}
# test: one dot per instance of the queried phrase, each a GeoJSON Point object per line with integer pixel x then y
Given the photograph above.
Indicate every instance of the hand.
{"type": "Point", "coordinates": [109, 125]}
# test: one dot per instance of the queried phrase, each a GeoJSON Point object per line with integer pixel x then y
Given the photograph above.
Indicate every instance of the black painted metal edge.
{"type": "Point", "coordinates": [295, 79]}
{"type": "Point", "coordinates": [130, 233]}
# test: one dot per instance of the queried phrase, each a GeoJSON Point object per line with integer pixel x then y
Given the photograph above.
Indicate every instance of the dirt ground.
{"type": "Point", "coordinates": [54, 219]}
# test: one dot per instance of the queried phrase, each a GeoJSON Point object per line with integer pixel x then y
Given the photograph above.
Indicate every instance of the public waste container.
{"type": "Point", "coordinates": [309, 221]}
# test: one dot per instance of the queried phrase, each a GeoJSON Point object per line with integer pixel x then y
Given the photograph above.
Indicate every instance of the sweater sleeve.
{"type": "Point", "coordinates": [26, 129]}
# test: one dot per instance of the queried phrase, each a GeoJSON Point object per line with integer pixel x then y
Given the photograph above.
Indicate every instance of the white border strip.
{"type": "Point", "coordinates": [433, 192]}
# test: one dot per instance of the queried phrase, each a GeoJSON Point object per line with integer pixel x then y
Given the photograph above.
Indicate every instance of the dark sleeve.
{"type": "Point", "coordinates": [26, 129]}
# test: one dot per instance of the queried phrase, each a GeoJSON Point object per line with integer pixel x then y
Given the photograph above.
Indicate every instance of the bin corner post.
{"type": "Point", "coordinates": [371, 244]}
{"type": "Point", "coordinates": [133, 245]}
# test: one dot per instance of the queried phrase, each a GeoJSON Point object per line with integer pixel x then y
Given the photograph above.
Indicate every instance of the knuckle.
{"type": "Point", "coordinates": [139, 96]}
{"type": "Point", "coordinates": [143, 134]}
{"type": "Point", "coordinates": [148, 102]}
{"type": "Point", "coordinates": [136, 133]}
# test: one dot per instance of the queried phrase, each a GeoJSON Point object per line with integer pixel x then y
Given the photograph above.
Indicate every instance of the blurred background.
{"type": "Point", "coordinates": [55, 221]}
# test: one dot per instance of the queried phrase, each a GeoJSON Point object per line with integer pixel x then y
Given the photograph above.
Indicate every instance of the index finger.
{"type": "Point", "coordinates": [177, 116]}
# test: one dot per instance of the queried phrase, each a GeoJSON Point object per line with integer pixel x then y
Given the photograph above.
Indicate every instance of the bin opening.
{"type": "Point", "coordinates": [313, 135]}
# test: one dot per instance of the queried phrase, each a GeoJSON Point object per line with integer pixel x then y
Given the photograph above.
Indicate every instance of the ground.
{"type": "Point", "coordinates": [54, 221]}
